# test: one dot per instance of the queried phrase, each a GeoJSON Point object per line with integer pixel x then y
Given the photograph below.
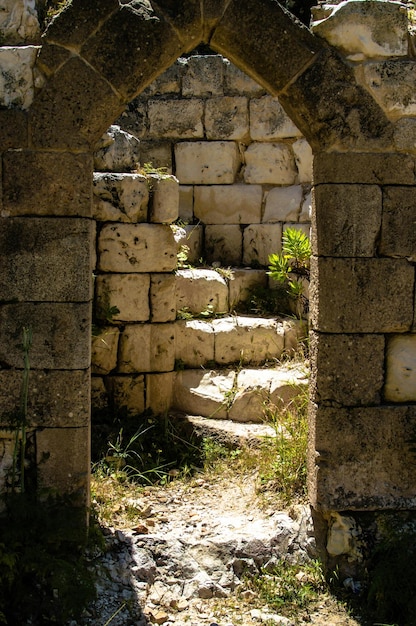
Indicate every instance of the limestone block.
{"type": "Point", "coordinates": [136, 248]}
{"type": "Point", "coordinates": [247, 339]}
{"type": "Point", "coordinates": [304, 160]}
{"type": "Point", "coordinates": [63, 460]}
{"type": "Point", "coordinates": [203, 392]}
{"type": "Point", "coordinates": [99, 395]}
{"type": "Point", "coordinates": [186, 202]}
{"type": "Point", "coordinates": [127, 393]}
{"type": "Point", "coordinates": [158, 153]}
{"type": "Point", "coordinates": [268, 120]}
{"type": "Point", "coordinates": [372, 295]}
{"type": "Point", "coordinates": [120, 197]}
{"type": "Point", "coordinates": [347, 369]}
{"type": "Point", "coordinates": [176, 119]}
{"type": "Point", "coordinates": [194, 342]}
{"type": "Point", "coordinates": [207, 163]}
{"type": "Point", "coordinates": [374, 169]}
{"type": "Point", "coordinates": [398, 232]}
{"type": "Point", "coordinates": [392, 83]}
{"type": "Point", "coordinates": [365, 30]}
{"type": "Point", "coordinates": [405, 134]}
{"type": "Point", "coordinates": [129, 293]}
{"type": "Point", "coordinates": [203, 76]}
{"type": "Point", "coordinates": [147, 348]}
{"type": "Point", "coordinates": [269, 163]}
{"type": "Point", "coordinates": [346, 220]}
{"type": "Point", "coordinates": [13, 129]}
{"type": "Point", "coordinates": [243, 283]}
{"type": "Point", "coordinates": [117, 151]}
{"type": "Point", "coordinates": [61, 334]}
{"type": "Point", "coordinates": [19, 22]}
{"type": "Point", "coordinates": [16, 76]}
{"type": "Point", "coordinates": [401, 369]}
{"type": "Point", "coordinates": [363, 459]}
{"type": "Point", "coordinates": [194, 236]}
{"type": "Point", "coordinates": [259, 241]}
{"type": "Point", "coordinates": [55, 399]}
{"type": "Point", "coordinates": [159, 392]}
{"type": "Point", "coordinates": [30, 189]}
{"type": "Point", "coordinates": [306, 209]}
{"type": "Point", "coordinates": [228, 204]}
{"type": "Point", "coordinates": [227, 118]}
{"type": "Point", "coordinates": [162, 298]}
{"type": "Point", "coordinates": [46, 259]}
{"type": "Point", "coordinates": [165, 199]}
{"type": "Point", "coordinates": [238, 82]}
{"type": "Point", "coordinates": [283, 204]}
{"type": "Point", "coordinates": [223, 244]}
{"type": "Point", "coordinates": [201, 290]}
{"type": "Point", "coordinates": [104, 347]}
{"type": "Point", "coordinates": [296, 331]}
{"type": "Point", "coordinates": [342, 536]}
{"type": "Point", "coordinates": [133, 120]}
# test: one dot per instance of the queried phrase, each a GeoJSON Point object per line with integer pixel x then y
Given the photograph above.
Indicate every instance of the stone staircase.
{"type": "Point", "coordinates": [231, 366]}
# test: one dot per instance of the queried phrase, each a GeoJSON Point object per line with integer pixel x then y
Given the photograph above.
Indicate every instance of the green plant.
{"type": "Point", "coordinates": [291, 267]}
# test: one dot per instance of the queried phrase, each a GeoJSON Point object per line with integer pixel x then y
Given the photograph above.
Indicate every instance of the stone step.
{"type": "Point", "coordinates": [242, 339]}
{"type": "Point", "coordinates": [215, 291]}
{"type": "Point", "coordinates": [240, 396]}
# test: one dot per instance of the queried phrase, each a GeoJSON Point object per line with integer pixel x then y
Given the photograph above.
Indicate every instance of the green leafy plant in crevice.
{"type": "Point", "coordinates": [290, 268]}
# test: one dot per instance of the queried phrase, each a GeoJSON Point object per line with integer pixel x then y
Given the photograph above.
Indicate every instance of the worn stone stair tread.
{"type": "Point", "coordinates": [225, 431]}
{"type": "Point", "coordinates": [240, 396]}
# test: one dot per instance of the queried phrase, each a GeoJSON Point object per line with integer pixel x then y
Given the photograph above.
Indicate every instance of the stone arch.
{"type": "Point", "coordinates": [96, 56]}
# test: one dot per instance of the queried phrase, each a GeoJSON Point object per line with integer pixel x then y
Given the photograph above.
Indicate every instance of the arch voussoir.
{"type": "Point", "coordinates": [186, 18]}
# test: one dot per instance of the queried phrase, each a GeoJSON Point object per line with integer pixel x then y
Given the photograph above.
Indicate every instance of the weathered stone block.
{"type": "Point", "coordinates": [259, 241]}
{"type": "Point", "coordinates": [392, 83]}
{"type": "Point", "coordinates": [224, 244]}
{"type": "Point", "coordinates": [306, 209]}
{"type": "Point", "coordinates": [247, 340]}
{"type": "Point", "coordinates": [162, 298]}
{"type": "Point", "coordinates": [127, 393]}
{"type": "Point", "coordinates": [227, 118]}
{"type": "Point", "coordinates": [243, 283]}
{"type": "Point", "coordinates": [55, 399]}
{"type": "Point", "coordinates": [186, 202]}
{"type": "Point", "coordinates": [166, 83]}
{"type": "Point", "coordinates": [134, 121]}
{"type": "Point", "coordinates": [269, 163]}
{"type": "Point", "coordinates": [405, 134]}
{"type": "Point", "coordinates": [165, 199]}
{"type": "Point", "coordinates": [117, 151]}
{"type": "Point", "coordinates": [370, 30]}
{"type": "Point", "coordinates": [373, 169]}
{"type": "Point", "coordinates": [239, 83]}
{"type": "Point", "coordinates": [30, 189]}
{"type": "Point", "coordinates": [19, 22]}
{"type": "Point", "coordinates": [371, 295]}
{"type": "Point", "coordinates": [99, 394]}
{"type": "Point", "coordinates": [128, 292]}
{"type": "Point", "coordinates": [201, 290]}
{"type": "Point", "coordinates": [346, 220]}
{"type": "Point", "coordinates": [186, 18]}
{"type": "Point", "coordinates": [268, 120]}
{"type": "Point", "coordinates": [364, 458]}
{"type": "Point", "coordinates": [133, 67]}
{"type": "Point", "coordinates": [398, 232]}
{"type": "Point", "coordinates": [203, 76]}
{"type": "Point", "coordinates": [104, 350]}
{"type": "Point", "coordinates": [194, 237]}
{"type": "Point", "coordinates": [158, 153]}
{"type": "Point", "coordinates": [194, 342]}
{"type": "Point", "coordinates": [304, 160]}
{"type": "Point", "coordinates": [50, 59]}
{"type": "Point", "coordinates": [147, 348]}
{"type": "Point", "coordinates": [13, 129]}
{"type": "Point", "coordinates": [120, 197]}
{"type": "Point", "coordinates": [240, 36]}
{"type": "Point", "coordinates": [159, 392]}
{"type": "Point", "coordinates": [84, 104]}
{"type": "Point", "coordinates": [63, 460]}
{"type": "Point", "coordinates": [228, 204]}
{"type": "Point", "coordinates": [177, 119]}
{"type": "Point", "coordinates": [16, 76]}
{"type": "Point", "coordinates": [401, 369]}
{"type": "Point", "coordinates": [207, 163]}
{"type": "Point", "coordinates": [283, 204]}
{"type": "Point", "coordinates": [203, 392]}
{"type": "Point", "coordinates": [133, 248]}
{"type": "Point", "coordinates": [61, 335]}
{"type": "Point", "coordinates": [31, 255]}
{"type": "Point", "coordinates": [347, 369]}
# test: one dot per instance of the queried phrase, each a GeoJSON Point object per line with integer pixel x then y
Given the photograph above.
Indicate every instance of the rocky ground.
{"type": "Point", "coordinates": [179, 555]}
